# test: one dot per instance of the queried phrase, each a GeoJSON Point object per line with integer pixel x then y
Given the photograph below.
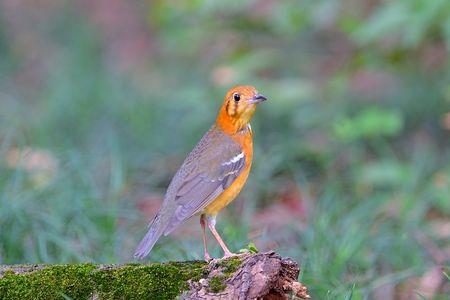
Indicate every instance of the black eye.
{"type": "Point", "coordinates": [236, 97]}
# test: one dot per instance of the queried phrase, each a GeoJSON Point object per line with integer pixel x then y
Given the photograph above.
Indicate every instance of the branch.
{"type": "Point", "coordinates": [247, 276]}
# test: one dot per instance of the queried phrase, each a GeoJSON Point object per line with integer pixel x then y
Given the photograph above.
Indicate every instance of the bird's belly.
{"type": "Point", "coordinates": [228, 195]}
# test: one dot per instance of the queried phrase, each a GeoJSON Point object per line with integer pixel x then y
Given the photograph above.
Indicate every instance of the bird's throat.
{"type": "Point", "coordinates": [233, 124]}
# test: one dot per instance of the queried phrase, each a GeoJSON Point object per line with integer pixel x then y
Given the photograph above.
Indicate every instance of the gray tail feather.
{"type": "Point", "coordinates": [149, 240]}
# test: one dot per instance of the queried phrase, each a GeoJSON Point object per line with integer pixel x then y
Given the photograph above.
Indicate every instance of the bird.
{"type": "Point", "coordinates": [212, 175]}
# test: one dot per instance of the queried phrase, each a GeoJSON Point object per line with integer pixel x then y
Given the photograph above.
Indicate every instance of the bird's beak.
{"type": "Point", "coordinates": [258, 98]}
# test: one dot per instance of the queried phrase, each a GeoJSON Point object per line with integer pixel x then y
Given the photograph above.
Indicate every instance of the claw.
{"type": "Point", "coordinates": [207, 257]}
{"type": "Point", "coordinates": [229, 254]}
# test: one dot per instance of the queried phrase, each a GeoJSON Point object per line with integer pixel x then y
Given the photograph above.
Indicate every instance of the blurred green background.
{"type": "Point", "coordinates": [100, 101]}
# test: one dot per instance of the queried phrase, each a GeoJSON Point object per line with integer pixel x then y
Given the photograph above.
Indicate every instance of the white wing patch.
{"type": "Point", "coordinates": [234, 159]}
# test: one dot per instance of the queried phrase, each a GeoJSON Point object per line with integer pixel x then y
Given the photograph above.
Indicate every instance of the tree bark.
{"type": "Point", "coordinates": [248, 276]}
{"type": "Point", "coordinates": [260, 276]}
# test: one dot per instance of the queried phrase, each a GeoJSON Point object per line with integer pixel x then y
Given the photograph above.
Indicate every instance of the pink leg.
{"type": "Point", "coordinates": [205, 247]}
{"type": "Point", "coordinates": [212, 227]}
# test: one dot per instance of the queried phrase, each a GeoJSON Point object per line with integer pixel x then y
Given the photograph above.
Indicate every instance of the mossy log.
{"type": "Point", "coordinates": [248, 276]}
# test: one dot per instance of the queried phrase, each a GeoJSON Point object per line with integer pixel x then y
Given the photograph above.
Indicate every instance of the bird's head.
{"type": "Point", "coordinates": [238, 107]}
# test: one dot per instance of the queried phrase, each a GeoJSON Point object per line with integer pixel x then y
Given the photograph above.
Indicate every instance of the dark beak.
{"type": "Point", "coordinates": [258, 98]}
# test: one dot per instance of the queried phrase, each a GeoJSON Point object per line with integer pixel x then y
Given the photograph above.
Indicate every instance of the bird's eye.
{"type": "Point", "coordinates": [236, 97]}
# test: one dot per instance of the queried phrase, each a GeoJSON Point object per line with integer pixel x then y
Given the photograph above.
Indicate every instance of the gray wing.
{"type": "Point", "coordinates": [212, 170]}
{"type": "Point", "coordinates": [208, 170]}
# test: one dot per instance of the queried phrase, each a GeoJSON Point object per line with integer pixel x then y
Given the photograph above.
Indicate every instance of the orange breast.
{"type": "Point", "coordinates": [233, 190]}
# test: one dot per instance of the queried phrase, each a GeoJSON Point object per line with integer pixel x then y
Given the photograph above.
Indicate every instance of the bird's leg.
{"type": "Point", "coordinates": [212, 226]}
{"type": "Point", "coordinates": [205, 246]}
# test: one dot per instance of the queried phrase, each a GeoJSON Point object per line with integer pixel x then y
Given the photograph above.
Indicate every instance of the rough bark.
{"type": "Point", "coordinates": [248, 276]}
{"type": "Point", "coordinates": [265, 275]}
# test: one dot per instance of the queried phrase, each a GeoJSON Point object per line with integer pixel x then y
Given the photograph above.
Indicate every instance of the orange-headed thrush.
{"type": "Point", "coordinates": [212, 175]}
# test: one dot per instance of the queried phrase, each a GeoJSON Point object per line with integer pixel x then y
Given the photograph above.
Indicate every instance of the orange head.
{"type": "Point", "coordinates": [238, 108]}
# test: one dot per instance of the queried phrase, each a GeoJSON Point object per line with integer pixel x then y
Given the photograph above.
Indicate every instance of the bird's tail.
{"type": "Point", "coordinates": [154, 232]}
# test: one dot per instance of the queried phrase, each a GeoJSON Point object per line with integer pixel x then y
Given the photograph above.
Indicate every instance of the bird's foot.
{"type": "Point", "coordinates": [229, 254]}
{"type": "Point", "coordinates": [226, 256]}
{"type": "Point", "coordinates": [207, 257]}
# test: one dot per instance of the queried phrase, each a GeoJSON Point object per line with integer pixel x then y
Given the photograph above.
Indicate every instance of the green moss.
{"type": "Point", "coordinates": [230, 265]}
{"type": "Point", "coordinates": [155, 281]}
{"type": "Point", "coordinates": [132, 281]}
{"type": "Point", "coordinates": [49, 283]}
{"type": "Point", "coordinates": [217, 284]}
